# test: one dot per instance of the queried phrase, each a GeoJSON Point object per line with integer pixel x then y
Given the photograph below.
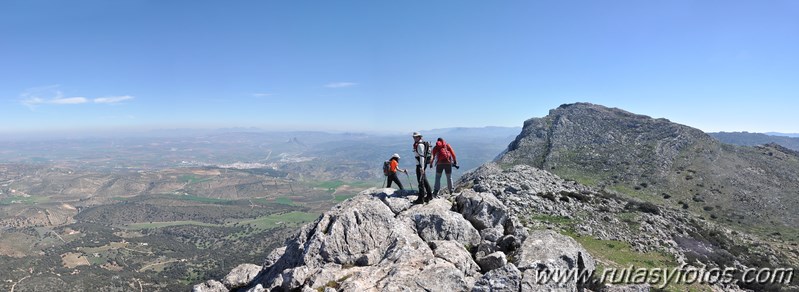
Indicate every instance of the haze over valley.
{"type": "Point", "coordinates": [170, 211]}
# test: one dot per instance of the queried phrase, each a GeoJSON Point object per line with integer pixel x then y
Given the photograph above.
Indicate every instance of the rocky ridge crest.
{"type": "Point", "coordinates": [379, 241]}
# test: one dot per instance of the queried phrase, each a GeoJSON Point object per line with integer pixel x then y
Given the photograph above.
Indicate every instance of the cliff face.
{"type": "Point", "coordinates": [655, 158]}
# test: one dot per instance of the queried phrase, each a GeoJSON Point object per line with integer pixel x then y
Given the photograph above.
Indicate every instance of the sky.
{"type": "Point", "coordinates": [393, 66]}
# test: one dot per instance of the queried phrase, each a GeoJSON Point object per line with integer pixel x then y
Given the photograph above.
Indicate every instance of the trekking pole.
{"type": "Point", "coordinates": [409, 179]}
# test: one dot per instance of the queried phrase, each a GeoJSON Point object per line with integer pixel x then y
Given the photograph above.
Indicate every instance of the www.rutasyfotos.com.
{"type": "Point", "coordinates": [662, 277]}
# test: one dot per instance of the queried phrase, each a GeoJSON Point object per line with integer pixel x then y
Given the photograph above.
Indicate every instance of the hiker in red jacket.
{"type": "Point", "coordinates": [444, 157]}
{"type": "Point", "coordinates": [392, 171]}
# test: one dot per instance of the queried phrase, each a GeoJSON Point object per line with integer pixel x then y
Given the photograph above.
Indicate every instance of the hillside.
{"type": "Point", "coordinates": [666, 163]}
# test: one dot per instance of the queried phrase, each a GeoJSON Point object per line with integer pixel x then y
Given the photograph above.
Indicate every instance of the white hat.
{"type": "Point", "coordinates": [396, 155]}
{"type": "Point", "coordinates": [416, 134]}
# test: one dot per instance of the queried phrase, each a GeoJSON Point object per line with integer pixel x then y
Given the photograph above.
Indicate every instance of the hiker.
{"type": "Point", "coordinates": [392, 171]}
{"type": "Point", "coordinates": [421, 150]}
{"type": "Point", "coordinates": [445, 159]}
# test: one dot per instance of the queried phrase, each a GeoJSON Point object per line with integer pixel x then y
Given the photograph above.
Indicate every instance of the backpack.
{"type": "Point", "coordinates": [428, 151]}
{"type": "Point", "coordinates": [386, 167]}
{"type": "Point", "coordinates": [444, 155]}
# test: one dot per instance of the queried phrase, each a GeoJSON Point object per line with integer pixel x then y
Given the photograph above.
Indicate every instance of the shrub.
{"type": "Point", "coordinates": [645, 207]}
{"type": "Point", "coordinates": [575, 195]}
{"type": "Point", "coordinates": [648, 207]}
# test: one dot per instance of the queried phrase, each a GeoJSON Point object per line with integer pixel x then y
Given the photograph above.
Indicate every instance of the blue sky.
{"type": "Point", "coordinates": [393, 65]}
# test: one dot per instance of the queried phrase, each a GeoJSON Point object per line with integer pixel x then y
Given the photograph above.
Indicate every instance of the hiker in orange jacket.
{"type": "Point", "coordinates": [445, 158]}
{"type": "Point", "coordinates": [392, 171]}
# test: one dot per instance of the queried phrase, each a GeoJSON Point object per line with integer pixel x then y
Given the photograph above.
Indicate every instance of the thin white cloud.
{"type": "Point", "coordinates": [340, 84]}
{"type": "Point", "coordinates": [50, 95]}
{"type": "Point", "coordinates": [69, 100]}
{"type": "Point", "coordinates": [113, 99]}
{"type": "Point", "coordinates": [262, 94]}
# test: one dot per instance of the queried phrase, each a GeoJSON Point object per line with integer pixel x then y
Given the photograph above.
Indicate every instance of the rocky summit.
{"type": "Point", "coordinates": [379, 241]}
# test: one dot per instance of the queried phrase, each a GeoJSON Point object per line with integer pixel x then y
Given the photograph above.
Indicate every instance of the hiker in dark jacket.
{"type": "Point", "coordinates": [421, 153]}
{"type": "Point", "coordinates": [445, 158]}
{"type": "Point", "coordinates": [392, 171]}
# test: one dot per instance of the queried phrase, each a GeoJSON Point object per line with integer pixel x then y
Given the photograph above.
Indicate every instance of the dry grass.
{"type": "Point", "coordinates": [72, 260]}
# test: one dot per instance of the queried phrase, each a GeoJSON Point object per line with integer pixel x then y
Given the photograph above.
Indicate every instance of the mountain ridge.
{"type": "Point", "coordinates": [609, 208]}
{"type": "Point", "coordinates": [755, 139]}
{"type": "Point", "coordinates": [645, 157]}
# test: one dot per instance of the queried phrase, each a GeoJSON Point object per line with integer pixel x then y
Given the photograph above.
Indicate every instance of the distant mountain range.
{"type": "Point", "coordinates": [790, 141]}
{"type": "Point", "coordinates": [795, 135]}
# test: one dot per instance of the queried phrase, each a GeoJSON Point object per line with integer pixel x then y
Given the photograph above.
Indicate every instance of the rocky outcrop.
{"type": "Point", "coordinates": [241, 276]}
{"type": "Point", "coordinates": [210, 286]}
{"type": "Point", "coordinates": [378, 241]}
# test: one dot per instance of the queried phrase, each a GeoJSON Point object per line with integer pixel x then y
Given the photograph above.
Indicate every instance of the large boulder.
{"type": "Point", "coordinates": [455, 253]}
{"type": "Point", "coordinates": [435, 221]}
{"type": "Point", "coordinates": [547, 248]}
{"type": "Point", "coordinates": [209, 286]}
{"type": "Point", "coordinates": [505, 279]}
{"type": "Point", "coordinates": [355, 234]}
{"type": "Point", "coordinates": [549, 252]}
{"type": "Point", "coordinates": [492, 261]}
{"type": "Point", "coordinates": [483, 210]}
{"type": "Point", "coordinates": [395, 200]}
{"type": "Point", "coordinates": [240, 276]}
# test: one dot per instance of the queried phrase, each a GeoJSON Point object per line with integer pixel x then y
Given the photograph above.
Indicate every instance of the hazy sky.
{"type": "Point", "coordinates": [393, 65]}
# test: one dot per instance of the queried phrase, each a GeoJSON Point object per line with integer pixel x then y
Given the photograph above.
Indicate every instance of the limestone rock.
{"type": "Point", "coordinates": [483, 210]}
{"type": "Point", "coordinates": [456, 254]}
{"type": "Point", "coordinates": [209, 286]}
{"type": "Point", "coordinates": [379, 241]}
{"type": "Point", "coordinates": [435, 221]}
{"type": "Point", "coordinates": [240, 276]}
{"type": "Point", "coordinates": [505, 279]}
{"type": "Point", "coordinates": [546, 251]}
{"type": "Point", "coordinates": [547, 248]}
{"type": "Point", "coordinates": [492, 261]}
